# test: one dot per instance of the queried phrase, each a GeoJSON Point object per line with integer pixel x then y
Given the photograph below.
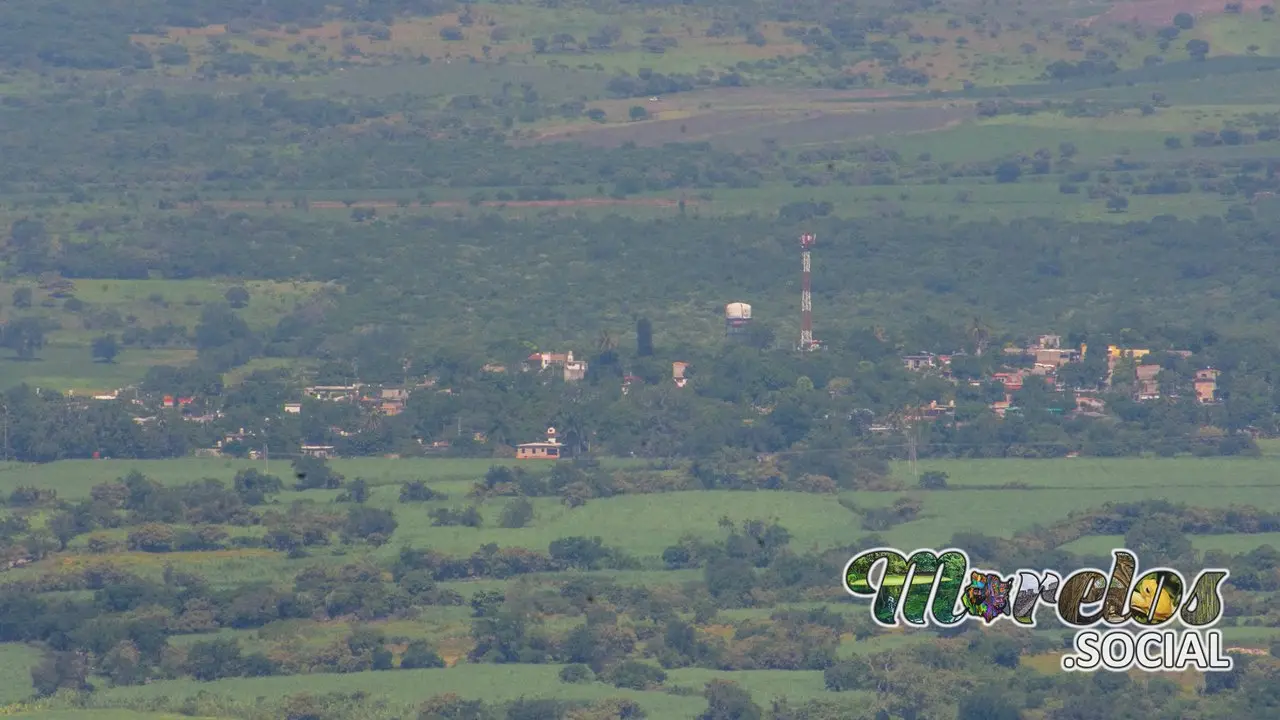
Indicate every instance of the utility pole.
{"type": "Point", "coordinates": [911, 431]}
{"type": "Point", "coordinates": [913, 439]}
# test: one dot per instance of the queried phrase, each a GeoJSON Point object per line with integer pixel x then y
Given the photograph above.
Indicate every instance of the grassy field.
{"type": "Point", "coordinates": [19, 712]}
{"type": "Point", "coordinates": [68, 367]}
{"type": "Point", "coordinates": [1232, 543]}
{"type": "Point", "coordinates": [66, 363]}
{"type": "Point", "coordinates": [984, 493]}
{"type": "Point", "coordinates": [492, 682]}
{"type": "Point", "coordinates": [16, 662]}
{"type": "Point", "coordinates": [74, 478]}
{"type": "Point", "coordinates": [626, 521]}
{"type": "Point", "coordinates": [496, 682]}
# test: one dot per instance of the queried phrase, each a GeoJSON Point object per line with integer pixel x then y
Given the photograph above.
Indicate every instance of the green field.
{"type": "Point", "coordinates": [65, 363]}
{"type": "Point", "coordinates": [15, 672]}
{"type": "Point", "coordinates": [627, 521]}
{"type": "Point", "coordinates": [493, 682]}
{"type": "Point", "coordinates": [74, 479]}
{"type": "Point", "coordinates": [114, 714]}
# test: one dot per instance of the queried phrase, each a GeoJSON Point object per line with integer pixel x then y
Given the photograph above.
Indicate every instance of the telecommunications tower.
{"type": "Point", "coordinates": [806, 299]}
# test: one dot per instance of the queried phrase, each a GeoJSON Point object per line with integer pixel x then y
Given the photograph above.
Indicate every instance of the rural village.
{"type": "Point", "coordinates": [1041, 361]}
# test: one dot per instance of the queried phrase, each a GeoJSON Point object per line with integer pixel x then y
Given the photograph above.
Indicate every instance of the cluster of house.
{"type": "Point", "coordinates": [390, 401]}
{"type": "Point", "coordinates": [1048, 356]}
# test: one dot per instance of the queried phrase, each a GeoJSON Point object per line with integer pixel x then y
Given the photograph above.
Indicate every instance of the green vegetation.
{"type": "Point", "coordinates": [345, 609]}
{"type": "Point", "coordinates": [237, 237]}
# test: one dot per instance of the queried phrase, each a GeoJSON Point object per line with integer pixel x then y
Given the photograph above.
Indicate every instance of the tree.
{"type": "Point", "coordinates": [933, 480]}
{"type": "Point", "coordinates": [58, 670]}
{"type": "Point", "coordinates": [638, 112]}
{"type": "Point", "coordinates": [1184, 21]}
{"type": "Point", "coordinates": [105, 349]}
{"type": "Point", "coordinates": [1160, 541]}
{"type": "Point", "coordinates": [517, 514]}
{"type": "Point", "coordinates": [1008, 172]}
{"type": "Point", "coordinates": [123, 664]}
{"type": "Point", "coordinates": [644, 337]}
{"type": "Point", "coordinates": [22, 298]}
{"type": "Point", "coordinates": [576, 673]}
{"type": "Point", "coordinates": [24, 336]}
{"type": "Point", "coordinates": [851, 674]}
{"type": "Point", "coordinates": [417, 491]}
{"type": "Point", "coordinates": [374, 525]}
{"type": "Point", "coordinates": [987, 705]}
{"type": "Point", "coordinates": [578, 552]}
{"type": "Point", "coordinates": [419, 654]}
{"type": "Point", "coordinates": [253, 486]}
{"type": "Point", "coordinates": [1117, 203]}
{"type": "Point", "coordinates": [356, 492]}
{"type": "Point", "coordinates": [313, 473]}
{"type": "Point", "coordinates": [760, 336]}
{"type": "Point", "coordinates": [214, 659]}
{"type": "Point", "coordinates": [728, 701]}
{"type": "Point", "coordinates": [1197, 49]}
{"type": "Point", "coordinates": [237, 297]}
{"type": "Point", "coordinates": [637, 675]}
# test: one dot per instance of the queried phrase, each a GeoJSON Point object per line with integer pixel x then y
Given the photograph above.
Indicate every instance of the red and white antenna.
{"type": "Point", "coordinates": [806, 299]}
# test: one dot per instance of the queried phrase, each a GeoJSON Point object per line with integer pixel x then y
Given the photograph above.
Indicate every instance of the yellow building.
{"type": "Point", "coordinates": [1116, 352]}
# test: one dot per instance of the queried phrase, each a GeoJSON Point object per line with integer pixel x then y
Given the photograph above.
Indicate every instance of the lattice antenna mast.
{"type": "Point", "coordinates": [806, 296]}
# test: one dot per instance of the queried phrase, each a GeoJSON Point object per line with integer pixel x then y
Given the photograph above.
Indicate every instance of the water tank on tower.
{"type": "Point", "coordinates": [737, 316]}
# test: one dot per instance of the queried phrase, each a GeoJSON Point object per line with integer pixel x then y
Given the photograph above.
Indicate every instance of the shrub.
{"type": "Point", "coordinates": [576, 673]}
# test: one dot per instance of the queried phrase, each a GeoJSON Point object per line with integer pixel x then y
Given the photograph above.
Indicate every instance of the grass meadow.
{"type": "Point", "coordinates": [15, 672]}
{"type": "Point", "coordinates": [66, 364]}
{"type": "Point", "coordinates": [73, 479]}
{"type": "Point", "coordinates": [23, 712]}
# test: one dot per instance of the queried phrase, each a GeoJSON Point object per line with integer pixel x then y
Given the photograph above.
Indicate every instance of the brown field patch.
{"type": "Point", "coordinates": [776, 43]}
{"type": "Point", "coordinates": [206, 31]}
{"type": "Point", "coordinates": [1161, 12]}
{"type": "Point", "coordinates": [744, 98]}
{"type": "Point", "coordinates": [951, 63]}
{"type": "Point", "coordinates": [721, 631]}
{"type": "Point", "coordinates": [68, 563]}
{"type": "Point", "coordinates": [693, 128]}
{"type": "Point", "coordinates": [746, 129]}
{"type": "Point", "coordinates": [411, 37]}
{"type": "Point", "coordinates": [375, 204]}
{"type": "Point", "coordinates": [454, 649]}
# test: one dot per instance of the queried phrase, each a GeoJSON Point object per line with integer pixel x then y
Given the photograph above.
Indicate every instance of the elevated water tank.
{"type": "Point", "coordinates": [737, 316]}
